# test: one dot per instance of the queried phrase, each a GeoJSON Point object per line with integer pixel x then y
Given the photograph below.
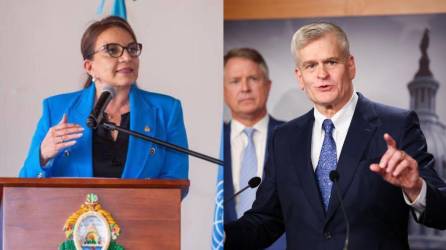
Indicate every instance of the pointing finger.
{"type": "Point", "coordinates": [391, 148]}
{"type": "Point", "coordinates": [389, 141]}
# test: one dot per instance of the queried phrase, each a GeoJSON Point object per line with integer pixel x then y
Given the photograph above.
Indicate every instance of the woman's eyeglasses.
{"type": "Point", "coordinates": [116, 50]}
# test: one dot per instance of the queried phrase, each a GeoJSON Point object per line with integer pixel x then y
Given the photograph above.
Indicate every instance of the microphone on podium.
{"type": "Point", "coordinates": [97, 114]}
{"type": "Point", "coordinates": [252, 183]}
{"type": "Point", "coordinates": [334, 177]}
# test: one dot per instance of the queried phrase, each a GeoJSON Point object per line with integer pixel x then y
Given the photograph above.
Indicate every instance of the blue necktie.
{"type": "Point", "coordinates": [247, 171]}
{"type": "Point", "coordinates": [327, 162]}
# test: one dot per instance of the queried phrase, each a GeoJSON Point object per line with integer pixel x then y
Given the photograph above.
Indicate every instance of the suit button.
{"type": "Point", "coordinates": [327, 235]}
{"type": "Point", "coordinates": [152, 151]}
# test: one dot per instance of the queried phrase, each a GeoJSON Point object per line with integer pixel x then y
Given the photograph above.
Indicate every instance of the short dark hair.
{"type": "Point", "coordinates": [250, 54]}
{"type": "Point", "coordinates": [93, 31]}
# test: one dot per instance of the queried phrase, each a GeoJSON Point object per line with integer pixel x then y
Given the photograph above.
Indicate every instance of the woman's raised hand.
{"type": "Point", "coordinates": [61, 136]}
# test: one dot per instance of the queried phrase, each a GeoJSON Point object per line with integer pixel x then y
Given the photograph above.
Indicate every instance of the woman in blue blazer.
{"type": "Point", "coordinates": [63, 145]}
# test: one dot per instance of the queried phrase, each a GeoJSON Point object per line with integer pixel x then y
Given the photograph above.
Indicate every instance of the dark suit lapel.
{"type": "Point", "coordinates": [360, 132]}
{"type": "Point", "coordinates": [272, 124]}
{"type": "Point", "coordinates": [300, 153]}
{"type": "Point", "coordinates": [230, 213]}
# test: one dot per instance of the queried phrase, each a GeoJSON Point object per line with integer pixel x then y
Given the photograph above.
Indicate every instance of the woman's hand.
{"type": "Point", "coordinates": [61, 136]}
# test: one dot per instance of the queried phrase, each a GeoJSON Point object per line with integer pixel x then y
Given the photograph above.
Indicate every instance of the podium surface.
{"type": "Point", "coordinates": [34, 211]}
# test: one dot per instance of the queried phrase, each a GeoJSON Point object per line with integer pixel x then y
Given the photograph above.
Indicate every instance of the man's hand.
{"type": "Point", "coordinates": [399, 169]}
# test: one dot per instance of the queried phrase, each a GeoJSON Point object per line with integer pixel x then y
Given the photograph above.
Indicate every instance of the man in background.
{"type": "Point", "coordinates": [246, 136]}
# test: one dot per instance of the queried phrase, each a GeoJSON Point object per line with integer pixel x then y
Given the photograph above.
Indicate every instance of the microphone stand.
{"type": "Point", "coordinates": [334, 176]}
{"type": "Point", "coordinates": [112, 126]}
{"type": "Point", "coordinates": [252, 183]}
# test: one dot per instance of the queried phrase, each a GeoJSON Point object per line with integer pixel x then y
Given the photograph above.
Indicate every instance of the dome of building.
{"type": "Point", "coordinates": [423, 90]}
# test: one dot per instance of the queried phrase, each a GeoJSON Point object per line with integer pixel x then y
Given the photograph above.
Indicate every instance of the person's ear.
{"type": "Point", "coordinates": [268, 84]}
{"type": "Point", "coordinates": [351, 65]}
{"type": "Point", "coordinates": [299, 78]}
{"type": "Point", "coordinates": [88, 66]}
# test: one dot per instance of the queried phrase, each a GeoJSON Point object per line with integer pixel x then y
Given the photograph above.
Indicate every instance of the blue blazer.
{"type": "Point", "coordinates": [288, 199]}
{"type": "Point", "coordinates": [156, 115]}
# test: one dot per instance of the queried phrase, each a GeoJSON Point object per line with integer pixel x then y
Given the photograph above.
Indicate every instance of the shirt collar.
{"type": "Point", "coordinates": [237, 127]}
{"type": "Point", "coordinates": [342, 116]}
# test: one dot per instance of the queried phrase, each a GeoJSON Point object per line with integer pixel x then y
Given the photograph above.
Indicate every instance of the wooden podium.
{"type": "Point", "coordinates": [33, 211]}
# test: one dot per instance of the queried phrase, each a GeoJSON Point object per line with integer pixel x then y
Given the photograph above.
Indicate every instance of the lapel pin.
{"type": "Point", "coordinates": [152, 151]}
{"type": "Point", "coordinates": [146, 129]}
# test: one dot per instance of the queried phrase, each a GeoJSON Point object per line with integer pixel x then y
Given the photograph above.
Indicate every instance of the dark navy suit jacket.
{"type": "Point", "coordinates": [229, 207]}
{"type": "Point", "coordinates": [230, 213]}
{"type": "Point", "coordinates": [289, 200]}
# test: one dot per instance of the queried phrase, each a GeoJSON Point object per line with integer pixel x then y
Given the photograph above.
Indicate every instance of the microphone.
{"type": "Point", "coordinates": [97, 114]}
{"type": "Point", "coordinates": [96, 118]}
{"type": "Point", "coordinates": [334, 177]}
{"type": "Point", "coordinates": [252, 183]}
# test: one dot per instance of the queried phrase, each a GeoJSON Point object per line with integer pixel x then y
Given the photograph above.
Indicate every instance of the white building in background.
{"type": "Point", "coordinates": [423, 90]}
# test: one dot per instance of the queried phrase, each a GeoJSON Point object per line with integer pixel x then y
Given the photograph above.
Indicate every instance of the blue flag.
{"type": "Point", "coordinates": [217, 228]}
{"type": "Point", "coordinates": [118, 8]}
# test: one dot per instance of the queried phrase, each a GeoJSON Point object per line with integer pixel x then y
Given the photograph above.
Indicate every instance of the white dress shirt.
{"type": "Point", "coordinates": [342, 120]}
{"type": "Point", "coordinates": [239, 141]}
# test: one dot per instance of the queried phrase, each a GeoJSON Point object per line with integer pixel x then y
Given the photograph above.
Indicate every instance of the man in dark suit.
{"type": "Point", "coordinates": [246, 136]}
{"type": "Point", "coordinates": [379, 152]}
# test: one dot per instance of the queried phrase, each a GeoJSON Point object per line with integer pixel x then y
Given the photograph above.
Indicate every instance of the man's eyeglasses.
{"type": "Point", "coordinates": [116, 50]}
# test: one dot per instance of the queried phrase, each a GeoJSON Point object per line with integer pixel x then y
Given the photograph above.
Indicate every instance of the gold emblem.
{"type": "Point", "coordinates": [91, 227]}
{"type": "Point", "coordinates": [147, 129]}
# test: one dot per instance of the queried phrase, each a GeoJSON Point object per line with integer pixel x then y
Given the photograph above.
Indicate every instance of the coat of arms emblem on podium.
{"type": "Point", "coordinates": [91, 228]}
